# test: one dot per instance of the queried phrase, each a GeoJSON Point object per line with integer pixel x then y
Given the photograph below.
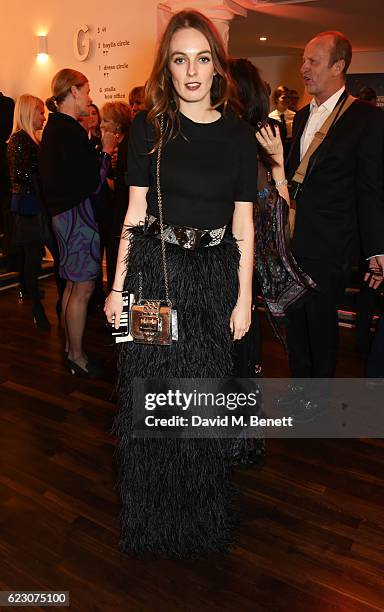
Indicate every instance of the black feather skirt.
{"type": "Point", "coordinates": [176, 496]}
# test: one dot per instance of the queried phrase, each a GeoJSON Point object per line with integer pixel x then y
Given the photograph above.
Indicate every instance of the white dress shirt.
{"type": "Point", "coordinates": [317, 117]}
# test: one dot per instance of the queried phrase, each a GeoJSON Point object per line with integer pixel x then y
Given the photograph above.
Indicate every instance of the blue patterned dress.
{"type": "Point", "coordinates": [78, 238]}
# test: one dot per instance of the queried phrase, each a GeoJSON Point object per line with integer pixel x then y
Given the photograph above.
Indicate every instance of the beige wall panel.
{"type": "Point", "coordinates": [121, 68]}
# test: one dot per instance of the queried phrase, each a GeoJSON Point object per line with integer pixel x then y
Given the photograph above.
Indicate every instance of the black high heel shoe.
{"type": "Point", "coordinates": [90, 371]}
{"type": "Point", "coordinates": [39, 317]}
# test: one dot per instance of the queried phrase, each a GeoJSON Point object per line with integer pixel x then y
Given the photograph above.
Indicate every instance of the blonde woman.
{"type": "Point", "coordinates": [72, 171]}
{"type": "Point", "coordinates": [31, 229]}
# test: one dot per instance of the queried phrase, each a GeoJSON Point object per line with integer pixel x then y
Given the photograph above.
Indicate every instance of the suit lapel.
{"type": "Point", "coordinates": [300, 121]}
{"type": "Point", "coordinates": [298, 127]}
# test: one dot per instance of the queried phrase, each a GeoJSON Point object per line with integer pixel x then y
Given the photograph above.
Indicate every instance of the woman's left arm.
{"type": "Point", "coordinates": [270, 140]}
{"type": "Point", "coordinates": [243, 232]}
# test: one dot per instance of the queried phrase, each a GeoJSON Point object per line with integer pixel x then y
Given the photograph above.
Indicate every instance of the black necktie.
{"type": "Point", "coordinates": [283, 127]}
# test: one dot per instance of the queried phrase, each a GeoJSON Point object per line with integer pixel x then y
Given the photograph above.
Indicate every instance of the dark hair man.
{"type": "Point", "coordinates": [294, 98]}
{"type": "Point", "coordinates": [341, 200]}
{"type": "Point", "coordinates": [6, 118]}
{"type": "Point", "coordinates": [282, 114]}
{"type": "Point", "coordinates": [368, 94]}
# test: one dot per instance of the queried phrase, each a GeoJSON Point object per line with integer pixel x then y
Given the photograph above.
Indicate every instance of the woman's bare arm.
{"type": "Point", "coordinates": [135, 215]}
{"type": "Point", "coordinates": [243, 231]}
{"type": "Point", "coordinates": [271, 141]}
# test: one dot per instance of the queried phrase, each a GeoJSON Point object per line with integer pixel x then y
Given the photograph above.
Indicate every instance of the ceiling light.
{"type": "Point", "coordinates": [263, 38]}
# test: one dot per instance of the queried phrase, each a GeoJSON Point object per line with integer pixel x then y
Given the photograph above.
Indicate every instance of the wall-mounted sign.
{"type": "Point", "coordinates": [81, 43]}
{"type": "Point", "coordinates": [107, 51]}
{"type": "Point", "coordinates": [112, 52]}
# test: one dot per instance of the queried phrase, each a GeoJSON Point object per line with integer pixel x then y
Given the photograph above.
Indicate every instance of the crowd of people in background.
{"type": "Point", "coordinates": [29, 220]}
{"type": "Point", "coordinates": [26, 212]}
{"type": "Point", "coordinates": [185, 190]}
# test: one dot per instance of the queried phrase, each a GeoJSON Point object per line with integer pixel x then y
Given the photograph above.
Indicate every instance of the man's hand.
{"type": "Point", "coordinates": [374, 276]}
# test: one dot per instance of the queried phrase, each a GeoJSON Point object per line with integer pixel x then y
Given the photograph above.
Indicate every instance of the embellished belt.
{"type": "Point", "coordinates": [186, 237]}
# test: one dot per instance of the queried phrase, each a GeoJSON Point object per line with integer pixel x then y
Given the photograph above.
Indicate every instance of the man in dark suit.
{"type": "Point", "coordinates": [6, 119]}
{"type": "Point", "coordinates": [7, 106]}
{"type": "Point", "coordinates": [341, 204]}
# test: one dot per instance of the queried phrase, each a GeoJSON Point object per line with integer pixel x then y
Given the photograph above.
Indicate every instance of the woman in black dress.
{"type": "Point", "coordinates": [279, 279]}
{"type": "Point", "coordinates": [71, 172]}
{"type": "Point", "coordinates": [176, 495]}
{"type": "Point", "coordinates": [31, 227]}
{"type": "Point", "coordinates": [253, 95]}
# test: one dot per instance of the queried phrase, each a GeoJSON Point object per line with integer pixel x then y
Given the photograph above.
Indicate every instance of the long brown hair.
{"type": "Point", "coordinates": [254, 97]}
{"type": "Point", "coordinates": [159, 91]}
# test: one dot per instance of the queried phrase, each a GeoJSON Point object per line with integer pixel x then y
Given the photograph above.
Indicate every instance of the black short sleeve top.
{"type": "Point", "coordinates": [204, 170]}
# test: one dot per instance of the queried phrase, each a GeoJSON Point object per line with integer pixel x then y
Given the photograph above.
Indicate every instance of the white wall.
{"type": "Point", "coordinates": [124, 20]}
{"type": "Point", "coordinates": [367, 61]}
{"type": "Point", "coordinates": [280, 70]}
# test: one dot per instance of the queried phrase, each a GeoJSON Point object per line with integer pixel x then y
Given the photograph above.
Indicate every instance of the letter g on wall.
{"type": "Point", "coordinates": [81, 43]}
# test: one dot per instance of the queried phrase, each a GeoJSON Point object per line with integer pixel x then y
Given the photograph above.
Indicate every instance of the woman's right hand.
{"type": "Point", "coordinates": [113, 308]}
{"type": "Point", "coordinates": [114, 159]}
{"type": "Point", "coordinates": [270, 140]}
{"type": "Point", "coordinates": [109, 141]}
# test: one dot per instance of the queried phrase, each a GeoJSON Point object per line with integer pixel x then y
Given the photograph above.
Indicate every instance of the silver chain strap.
{"type": "Point", "coordinates": [140, 287]}
{"type": "Point", "coordinates": [160, 207]}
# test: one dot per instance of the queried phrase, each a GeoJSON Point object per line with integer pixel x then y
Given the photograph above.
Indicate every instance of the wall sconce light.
{"type": "Point", "coordinates": [42, 47]}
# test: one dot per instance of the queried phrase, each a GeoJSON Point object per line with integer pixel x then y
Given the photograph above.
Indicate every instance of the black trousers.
{"type": "Point", "coordinates": [312, 327]}
{"type": "Point", "coordinates": [375, 364]}
{"type": "Point", "coordinates": [12, 251]}
{"type": "Point", "coordinates": [30, 235]}
{"type": "Point", "coordinates": [31, 269]}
